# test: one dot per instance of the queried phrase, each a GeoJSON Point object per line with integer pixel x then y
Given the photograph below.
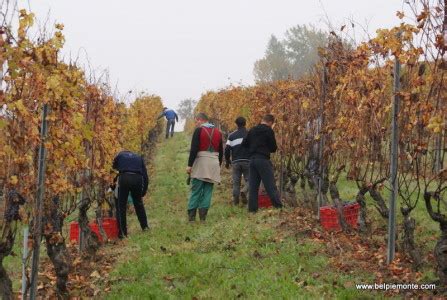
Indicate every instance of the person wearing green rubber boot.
{"type": "Point", "coordinates": [205, 159]}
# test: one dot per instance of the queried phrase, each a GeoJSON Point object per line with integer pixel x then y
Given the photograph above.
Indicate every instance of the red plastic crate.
{"type": "Point", "coordinates": [329, 216]}
{"type": "Point", "coordinates": [264, 201]}
{"type": "Point", "coordinates": [74, 232]}
{"type": "Point", "coordinates": [110, 226]}
{"type": "Point", "coordinates": [95, 228]}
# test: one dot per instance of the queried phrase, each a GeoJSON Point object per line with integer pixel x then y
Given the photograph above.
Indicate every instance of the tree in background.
{"type": "Point", "coordinates": [275, 65]}
{"type": "Point", "coordinates": [291, 57]}
{"type": "Point", "coordinates": [186, 112]}
{"type": "Point", "coordinates": [302, 43]}
{"type": "Point", "coordinates": [186, 108]}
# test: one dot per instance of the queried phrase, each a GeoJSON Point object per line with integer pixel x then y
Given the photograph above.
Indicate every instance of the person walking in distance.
{"type": "Point", "coordinates": [132, 179]}
{"type": "Point", "coordinates": [171, 118]}
{"type": "Point", "coordinates": [205, 159]}
{"type": "Point", "coordinates": [260, 143]}
{"type": "Point", "coordinates": [238, 157]}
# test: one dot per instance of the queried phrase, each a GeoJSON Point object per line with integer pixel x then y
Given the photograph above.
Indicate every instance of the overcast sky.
{"type": "Point", "coordinates": [180, 48]}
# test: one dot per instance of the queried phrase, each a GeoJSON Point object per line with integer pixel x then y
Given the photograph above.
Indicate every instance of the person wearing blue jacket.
{"type": "Point", "coordinates": [132, 179]}
{"type": "Point", "coordinates": [171, 118]}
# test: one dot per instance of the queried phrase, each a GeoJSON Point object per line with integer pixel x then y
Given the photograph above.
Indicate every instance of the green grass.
{"type": "Point", "coordinates": [232, 255]}
{"type": "Point", "coordinates": [13, 263]}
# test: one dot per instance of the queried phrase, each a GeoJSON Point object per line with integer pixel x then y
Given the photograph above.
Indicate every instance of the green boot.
{"type": "Point", "coordinates": [202, 213]}
{"type": "Point", "coordinates": [192, 214]}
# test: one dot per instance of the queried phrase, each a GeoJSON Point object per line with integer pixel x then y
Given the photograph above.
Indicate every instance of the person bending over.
{"type": "Point", "coordinates": [171, 118]}
{"type": "Point", "coordinates": [133, 179]}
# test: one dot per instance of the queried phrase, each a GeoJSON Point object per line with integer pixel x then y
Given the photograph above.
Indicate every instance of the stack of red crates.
{"type": "Point", "coordinates": [329, 216]}
{"type": "Point", "coordinates": [110, 226]}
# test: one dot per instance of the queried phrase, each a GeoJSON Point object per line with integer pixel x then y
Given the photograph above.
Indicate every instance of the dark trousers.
{"type": "Point", "coordinates": [262, 169]}
{"type": "Point", "coordinates": [133, 184]}
{"type": "Point", "coordinates": [170, 128]}
{"type": "Point", "coordinates": [240, 168]}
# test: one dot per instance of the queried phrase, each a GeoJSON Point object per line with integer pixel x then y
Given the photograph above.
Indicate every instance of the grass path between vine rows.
{"type": "Point", "coordinates": [232, 255]}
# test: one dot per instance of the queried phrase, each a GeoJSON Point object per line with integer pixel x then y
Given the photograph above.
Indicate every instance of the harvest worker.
{"type": "Point", "coordinates": [171, 118]}
{"type": "Point", "coordinates": [238, 157]}
{"type": "Point", "coordinates": [204, 162]}
{"type": "Point", "coordinates": [132, 179]}
{"type": "Point", "coordinates": [260, 143]}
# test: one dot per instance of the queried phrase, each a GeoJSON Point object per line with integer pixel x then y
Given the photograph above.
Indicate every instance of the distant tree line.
{"type": "Point", "coordinates": [291, 57]}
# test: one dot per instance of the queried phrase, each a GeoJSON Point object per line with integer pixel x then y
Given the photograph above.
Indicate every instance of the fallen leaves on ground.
{"type": "Point", "coordinates": [352, 253]}
{"type": "Point", "coordinates": [89, 277]}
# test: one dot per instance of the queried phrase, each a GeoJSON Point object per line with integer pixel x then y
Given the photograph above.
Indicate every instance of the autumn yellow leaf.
{"type": "Point", "coordinates": [13, 180]}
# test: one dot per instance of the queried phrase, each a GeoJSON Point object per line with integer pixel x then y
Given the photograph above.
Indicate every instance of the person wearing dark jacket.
{"type": "Point", "coordinates": [260, 143]}
{"type": "Point", "coordinates": [133, 179]}
{"type": "Point", "coordinates": [205, 159]}
{"type": "Point", "coordinates": [171, 118]}
{"type": "Point", "coordinates": [238, 157]}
